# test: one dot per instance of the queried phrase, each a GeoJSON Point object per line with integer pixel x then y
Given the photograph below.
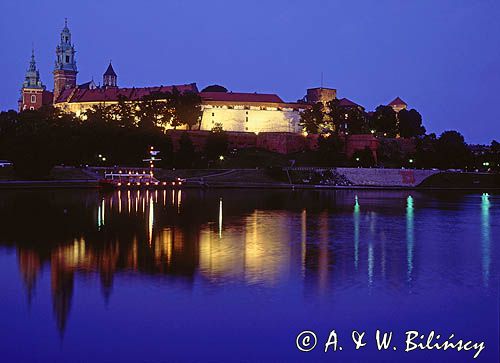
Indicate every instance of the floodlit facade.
{"type": "Point", "coordinates": [233, 111]}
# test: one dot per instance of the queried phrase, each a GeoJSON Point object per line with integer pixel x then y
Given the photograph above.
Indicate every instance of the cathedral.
{"type": "Point", "coordinates": [235, 111]}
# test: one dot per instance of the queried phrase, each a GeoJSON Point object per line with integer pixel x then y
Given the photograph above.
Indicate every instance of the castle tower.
{"type": "Point", "coordinates": [65, 68]}
{"type": "Point", "coordinates": [33, 90]}
{"type": "Point", "coordinates": [109, 77]}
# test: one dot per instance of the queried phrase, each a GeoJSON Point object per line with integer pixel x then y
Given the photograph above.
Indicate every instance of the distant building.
{"type": "Point", "coordinates": [398, 104]}
{"type": "Point", "coordinates": [33, 93]}
{"type": "Point", "coordinates": [234, 111]}
{"type": "Point", "coordinates": [65, 70]}
{"type": "Point", "coordinates": [251, 112]}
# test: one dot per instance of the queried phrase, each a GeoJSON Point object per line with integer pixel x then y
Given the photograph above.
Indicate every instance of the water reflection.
{"type": "Point", "coordinates": [222, 238]}
{"type": "Point", "coordinates": [409, 235]}
{"type": "Point", "coordinates": [485, 237]}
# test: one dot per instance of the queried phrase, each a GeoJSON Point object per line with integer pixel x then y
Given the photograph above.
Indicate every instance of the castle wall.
{"type": "Point", "coordinates": [251, 118]}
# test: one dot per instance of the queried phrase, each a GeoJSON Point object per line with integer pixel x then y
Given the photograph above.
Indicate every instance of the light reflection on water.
{"type": "Point", "coordinates": [288, 250]}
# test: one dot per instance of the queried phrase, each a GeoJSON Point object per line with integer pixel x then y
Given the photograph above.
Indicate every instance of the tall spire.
{"type": "Point", "coordinates": [65, 51]}
{"type": "Point", "coordinates": [32, 77]}
{"type": "Point", "coordinates": [109, 77]}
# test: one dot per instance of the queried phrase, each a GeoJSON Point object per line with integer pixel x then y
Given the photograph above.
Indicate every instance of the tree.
{"type": "Point", "coordinates": [125, 112]}
{"type": "Point", "coordinates": [217, 143]}
{"type": "Point", "coordinates": [452, 151]}
{"type": "Point", "coordinates": [363, 158]}
{"type": "Point", "coordinates": [99, 114]}
{"type": "Point", "coordinates": [331, 150]}
{"type": "Point", "coordinates": [425, 156]}
{"type": "Point", "coordinates": [311, 119]}
{"type": "Point", "coordinates": [390, 153]}
{"type": "Point", "coordinates": [32, 147]}
{"type": "Point", "coordinates": [410, 123]}
{"type": "Point", "coordinates": [356, 121]}
{"type": "Point", "coordinates": [187, 108]}
{"type": "Point", "coordinates": [214, 88]}
{"type": "Point", "coordinates": [336, 119]}
{"type": "Point", "coordinates": [384, 120]}
{"type": "Point", "coordinates": [186, 153]}
{"type": "Point", "coordinates": [154, 110]}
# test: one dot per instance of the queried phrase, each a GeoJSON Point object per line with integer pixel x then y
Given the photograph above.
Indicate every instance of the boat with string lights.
{"type": "Point", "coordinates": [136, 180]}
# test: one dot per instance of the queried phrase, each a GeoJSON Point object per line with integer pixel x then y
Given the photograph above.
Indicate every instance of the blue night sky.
{"type": "Point", "coordinates": [441, 56]}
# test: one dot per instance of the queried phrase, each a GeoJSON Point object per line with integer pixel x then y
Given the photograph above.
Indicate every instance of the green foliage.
{"type": "Point", "coordinates": [217, 143]}
{"type": "Point", "coordinates": [390, 153]}
{"type": "Point", "coordinates": [410, 123]}
{"type": "Point", "coordinates": [363, 158]}
{"type": "Point", "coordinates": [452, 151]}
{"type": "Point", "coordinates": [185, 156]}
{"type": "Point", "coordinates": [214, 88]}
{"type": "Point", "coordinates": [331, 150]}
{"type": "Point", "coordinates": [384, 121]}
{"type": "Point", "coordinates": [356, 121]}
{"type": "Point", "coordinates": [311, 119]}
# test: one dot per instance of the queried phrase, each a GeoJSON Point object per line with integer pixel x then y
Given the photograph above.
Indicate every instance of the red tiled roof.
{"type": "Point", "coordinates": [240, 97]}
{"type": "Point", "coordinates": [398, 102]}
{"type": "Point", "coordinates": [47, 98]}
{"type": "Point", "coordinates": [347, 103]}
{"type": "Point", "coordinates": [112, 94]}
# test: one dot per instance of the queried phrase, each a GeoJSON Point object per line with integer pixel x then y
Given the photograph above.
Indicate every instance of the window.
{"type": "Point", "coordinates": [246, 119]}
{"type": "Point", "coordinates": [213, 114]}
{"type": "Point", "coordinates": [33, 98]}
{"type": "Point", "coordinates": [246, 128]}
{"type": "Point", "coordinates": [32, 108]}
{"type": "Point", "coordinates": [67, 59]}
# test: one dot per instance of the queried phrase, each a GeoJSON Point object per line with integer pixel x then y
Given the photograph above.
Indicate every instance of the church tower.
{"type": "Point", "coordinates": [33, 90]}
{"type": "Point", "coordinates": [65, 69]}
{"type": "Point", "coordinates": [109, 77]}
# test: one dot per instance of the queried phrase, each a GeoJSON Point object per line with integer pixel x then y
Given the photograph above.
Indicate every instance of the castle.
{"type": "Point", "coordinates": [235, 111]}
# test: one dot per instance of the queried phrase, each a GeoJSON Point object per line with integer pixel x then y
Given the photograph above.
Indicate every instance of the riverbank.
{"type": "Point", "coordinates": [287, 178]}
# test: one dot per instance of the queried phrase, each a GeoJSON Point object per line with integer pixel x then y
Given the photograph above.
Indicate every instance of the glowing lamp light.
{"type": "Point", "coordinates": [128, 184]}
{"type": "Point", "coordinates": [173, 183]}
{"type": "Point", "coordinates": [164, 183]}
{"type": "Point", "coordinates": [119, 184]}
{"type": "Point", "coordinates": [372, 131]}
{"type": "Point", "coordinates": [357, 159]}
{"type": "Point", "coordinates": [137, 183]}
{"type": "Point", "coordinates": [221, 157]}
{"type": "Point", "coordinates": [411, 161]}
{"type": "Point", "coordinates": [147, 183]}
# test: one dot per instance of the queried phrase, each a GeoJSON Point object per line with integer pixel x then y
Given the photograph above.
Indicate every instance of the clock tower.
{"type": "Point", "coordinates": [65, 68]}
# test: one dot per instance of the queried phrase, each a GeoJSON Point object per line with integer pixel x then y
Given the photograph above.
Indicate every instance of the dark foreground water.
{"type": "Point", "coordinates": [235, 276]}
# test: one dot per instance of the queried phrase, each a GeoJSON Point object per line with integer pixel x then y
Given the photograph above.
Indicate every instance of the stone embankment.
{"type": "Point", "coordinates": [373, 177]}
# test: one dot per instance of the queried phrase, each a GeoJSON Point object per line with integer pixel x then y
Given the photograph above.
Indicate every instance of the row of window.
{"type": "Point", "coordinates": [262, 108]}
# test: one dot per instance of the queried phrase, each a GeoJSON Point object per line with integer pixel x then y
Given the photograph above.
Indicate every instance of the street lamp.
{"type": "Point", "coordinates": [221, 157]}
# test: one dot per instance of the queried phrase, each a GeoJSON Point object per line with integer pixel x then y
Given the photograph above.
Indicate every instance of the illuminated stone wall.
{"type": "Point", "coordinates": [251, 118]}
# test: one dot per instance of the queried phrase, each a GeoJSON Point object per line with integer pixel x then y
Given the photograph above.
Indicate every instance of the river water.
{"type": "Point", "coordinates": [235, 276]}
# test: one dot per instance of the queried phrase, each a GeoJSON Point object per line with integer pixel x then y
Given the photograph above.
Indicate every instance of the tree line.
{"type": "Point", "coordinates": [122, 133]}
{"type": "Point", "coordinates": [116, 134]}
{"type": "Point", "coordinates": [333, 117]}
